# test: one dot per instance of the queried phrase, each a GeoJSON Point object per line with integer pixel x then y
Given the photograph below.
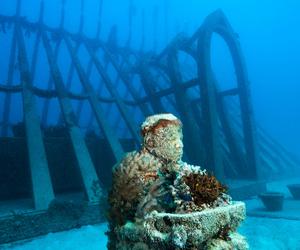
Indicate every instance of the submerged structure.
{"type": "Point", "coordinates": [158, 201]}
{"type": "Point", "coordinates": [56, 163]}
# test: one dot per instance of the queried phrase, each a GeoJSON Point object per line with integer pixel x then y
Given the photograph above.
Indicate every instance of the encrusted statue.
{"type": "Point", "coordinates": [157, 201]}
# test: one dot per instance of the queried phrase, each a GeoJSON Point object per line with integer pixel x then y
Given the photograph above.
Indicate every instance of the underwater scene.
{"type": "Point", "coordinates": [149, 125]}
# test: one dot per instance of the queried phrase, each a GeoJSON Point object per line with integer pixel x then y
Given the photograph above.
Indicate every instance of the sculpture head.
{"type": "Point", "coordinates": [162, 137]}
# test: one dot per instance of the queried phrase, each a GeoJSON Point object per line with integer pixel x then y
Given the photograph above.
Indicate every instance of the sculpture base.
{"type": "Point", "coordinates": [208, 229]}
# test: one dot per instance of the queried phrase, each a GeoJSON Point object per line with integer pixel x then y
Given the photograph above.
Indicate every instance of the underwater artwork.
{"type": "Point", "coordinates": [158, 201]}
{"type": "Point", "coordinates": [149, 125]}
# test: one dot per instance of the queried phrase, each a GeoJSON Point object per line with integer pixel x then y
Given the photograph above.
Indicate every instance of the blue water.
{"type": "Point", "coordinates": [268, 32]}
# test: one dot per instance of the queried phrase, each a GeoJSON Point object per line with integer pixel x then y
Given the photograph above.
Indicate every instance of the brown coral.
{"type": "Point", "coordinates": [205, 188]}
{"type": "Point", "coordinates": [131, 180]}
{"type": "Point", "coordinates": [162, 123]}
{"type": "Point", "coordinates": [129, 187]}
{"type": "Point", "coordinates": [123, 199]}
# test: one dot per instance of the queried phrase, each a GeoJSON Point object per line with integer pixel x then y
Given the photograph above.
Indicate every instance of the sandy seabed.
{"type": "Point", "coordinates": [262, 234]}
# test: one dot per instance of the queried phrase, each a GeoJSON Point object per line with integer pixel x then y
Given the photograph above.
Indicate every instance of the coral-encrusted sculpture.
{"type": "Point", "coordinates": [157, 201]}
{"type": "Point", "coordinates": [205, 189]}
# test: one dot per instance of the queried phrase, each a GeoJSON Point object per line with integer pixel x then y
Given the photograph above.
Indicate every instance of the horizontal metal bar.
{"type": "Point", "coordinates": [10, 88]}
{"type": "Point", "coordinates": [168, 91]}
{"type": "Point", "coordinates": [59, 33]}
{"type": "Point", "coordinates": [233, 91]}
{"type": "Point", "coordinates": [44, 93]}
{"type": "Point", "coordinates": [53, 94]}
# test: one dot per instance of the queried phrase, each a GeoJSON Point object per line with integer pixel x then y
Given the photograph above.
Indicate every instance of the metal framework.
{"type": "Point", "coordinates": [216, 137]}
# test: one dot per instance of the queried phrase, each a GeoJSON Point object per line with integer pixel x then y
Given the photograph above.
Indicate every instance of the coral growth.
{"type": "Point", "coordinates": [132, 179]}
{"type": "Point", "coordinates": [157, 201]}
{"type": "Point", "coordinates": [224, 233]}
{"type": "Point", "coordinates": [131, 182]}
{"type": "Point", "coordinates": [162, 123]}
{"type": "Point", "coordinates": [196, 230]}
{"type": "Point", "coordinates": [66, 209]}
{"type": "Point", "coordinates": [162, 137]}
{"type": "Point", "coordinates": [205, 189]}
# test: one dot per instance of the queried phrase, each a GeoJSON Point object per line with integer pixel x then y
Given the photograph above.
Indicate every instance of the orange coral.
{"type": "Point", "coordinates": [150, 175]}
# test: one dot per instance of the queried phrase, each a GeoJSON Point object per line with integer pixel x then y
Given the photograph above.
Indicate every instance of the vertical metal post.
{"type": "Point", "coordinates": [37, 42]}
{"type": "Point", "coordinates": [71, 71]}
{"type": "Point", "coordinates": [155, 25]}
{"type": "Point", "coordinates": [213, 159]}
{"type": "Point", "coordinates": [115, 95]}
{"type": "Point", "coordinates": [192, 140]}
{"type": "Point", "coordinates": [11, 67]}
{"type": "Point", "coordinates": [49, 86]}
{"type": "Point", "coordinates": [147, 82]}
{"type": "Point", "coordinates": [98, 32]}
{"type": "Point", "coordinates": [100, 117]}
{"type": "Point", "coordinates": [86, 167]}
{"type": "Point", "coordinates": [125, 78]}
{"type": "Point", "coordinates": [80, 105]}
{"type": "Point", "coordinates": [41, 182]}
{"type": "Point", "coordinates": [166, 20]}
{"type": "Point", "coordinates": [50, 80]}
{"type": "Point", "coordinates": [81, 17]}
{"type": "Point", "coordinates": [249, 128]}
{"type": "Point", "coordinates": [131, 12]}
{"type": "Point", "coordinates": [143, 31]}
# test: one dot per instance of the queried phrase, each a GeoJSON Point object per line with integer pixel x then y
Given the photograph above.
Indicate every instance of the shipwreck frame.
{"type": "Point", "coordinates": [219, 134]}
